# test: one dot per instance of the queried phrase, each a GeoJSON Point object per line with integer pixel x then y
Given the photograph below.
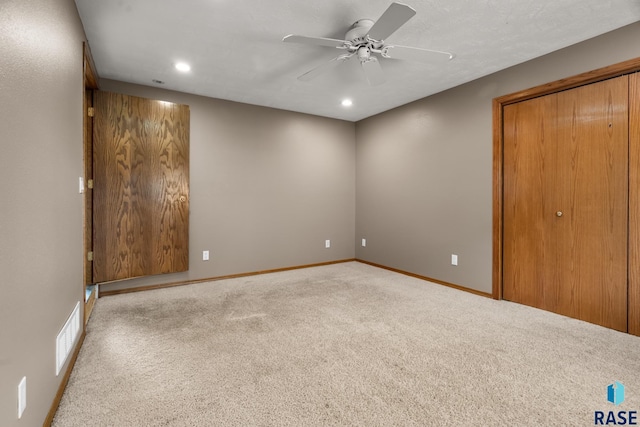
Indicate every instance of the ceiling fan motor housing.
{"type": "Point", "coordinates": [360, 41]}
{"type": "Point", "coordinates": [357, 34]}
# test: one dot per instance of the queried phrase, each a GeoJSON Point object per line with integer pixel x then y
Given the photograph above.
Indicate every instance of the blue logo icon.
{"type": "Point", "coordinates": [615, 393]}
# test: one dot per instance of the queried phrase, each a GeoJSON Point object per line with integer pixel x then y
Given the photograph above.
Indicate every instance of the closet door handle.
{"type": "Point", "coordinates": [559, 213]}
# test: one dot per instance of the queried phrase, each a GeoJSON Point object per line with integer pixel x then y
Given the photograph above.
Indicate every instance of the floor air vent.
{"type": "Point", "coordinates": [67, 337]}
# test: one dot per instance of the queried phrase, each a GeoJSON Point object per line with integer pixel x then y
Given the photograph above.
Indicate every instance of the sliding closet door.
{"type": "Point", "coordinates": [141, 193]}
{"type": "Point", "coordinates": [565, 202]}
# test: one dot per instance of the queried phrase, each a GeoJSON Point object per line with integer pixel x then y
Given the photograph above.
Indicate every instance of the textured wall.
{"type": "Point", "coordinates": [424, 170]}
{"type": "Point", "coordinates": [41, 210]}
{"type": "Point", "coordinates": [268, 187]}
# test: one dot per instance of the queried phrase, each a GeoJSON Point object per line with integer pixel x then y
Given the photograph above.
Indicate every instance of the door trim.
{"type": "Point", "coordinates": [593, 76]}
{"type": "Point", "coordinates": [633, 303]}
{"type": "Point", "coordinates": [90, 84]}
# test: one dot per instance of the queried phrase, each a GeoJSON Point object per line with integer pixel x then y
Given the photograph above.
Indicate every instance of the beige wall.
{"type": "Point", "coordinates": [424, 170]}
{"type": "Point", "coordinates": [41, 209]}
{"type": "Point", "coordinates": [268, 187]}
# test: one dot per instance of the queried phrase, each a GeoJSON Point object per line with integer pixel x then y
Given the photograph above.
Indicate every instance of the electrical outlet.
{"type": "Point", "coordinates": [205, 255]}
{"type": "Point", "coordinates": [22, 396]}
{"type": "Point", "coordinates": [364, 242]}
{"type": "Point", "coordinates": [454, 259]}
{"type": "Point", "coordinates": [327, 243]}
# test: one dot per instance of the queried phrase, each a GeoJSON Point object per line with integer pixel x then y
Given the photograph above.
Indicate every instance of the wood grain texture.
{"type": "Point", "coordinates": [634, 205]}
{"type": "Point", "coordinates": [582, 79]}
{"type": "Point", "coordinates": [593, 188]}
{"type": "Point", "coordinates": [633, 248]}
{"type": "Point", "coordinates": [567, 153]}
{"type": "Point", "coordinates": [90, 74]}
{"type": "Point", "coordinates": [170, 166]}
{"type": "Point", "coordinates": [141, 205]}
{"type": "Point", "coordinates": [498, 155]}
{"type": "Point", "coordinates": [529, 174]}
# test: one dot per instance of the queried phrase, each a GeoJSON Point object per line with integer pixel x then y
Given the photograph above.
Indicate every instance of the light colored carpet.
{"type": "Point", "coordinates": [346, 344]}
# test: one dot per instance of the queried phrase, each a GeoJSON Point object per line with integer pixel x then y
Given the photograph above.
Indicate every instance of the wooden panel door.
{"type": "Point", "coordinates": [529, 172]}
{"type": "Point", "coordinates": [593, 144]}
{"type": "Point", "coordinates": [565, 202]}
{"type": "Point", "coordinates": [141, 187]}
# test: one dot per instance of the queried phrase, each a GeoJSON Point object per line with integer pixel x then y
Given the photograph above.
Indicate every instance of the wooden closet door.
{"type": "Point", "coordinates": [565, 202]}
{"type": "Point", "coordinates": [593, 144]}
{"type": "Point", "coordinates": [634, 204]}
{"type": "Point", "coordinates": [141, 187]}
{"type": "Point", "coordinates": [529, 258]}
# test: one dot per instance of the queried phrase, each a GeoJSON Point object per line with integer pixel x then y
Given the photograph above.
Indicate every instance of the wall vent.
{"type": "Point", "coordinates": [67, 337]}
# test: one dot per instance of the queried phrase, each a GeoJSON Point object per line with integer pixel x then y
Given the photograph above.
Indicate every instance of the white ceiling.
{"type": "Point", "coordinates": [236, 51]}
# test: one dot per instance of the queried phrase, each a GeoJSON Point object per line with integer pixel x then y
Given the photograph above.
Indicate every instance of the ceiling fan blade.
{"type": "Point", "coordinates": [373, 71]}
{"type": "Point", "coordinates": [415, 54]}
{"type": "Point", "coordinates": [323, 68]}
{"type": "Point", "coordinates": [316, 41]}
{"type": "Point", "coordinates": [393, 18]}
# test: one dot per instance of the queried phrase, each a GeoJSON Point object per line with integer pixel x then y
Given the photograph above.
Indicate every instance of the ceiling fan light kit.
{"type": "Point", "coordinates": [367, 37]}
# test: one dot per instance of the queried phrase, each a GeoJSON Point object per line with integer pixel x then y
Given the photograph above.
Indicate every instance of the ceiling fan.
{"type": "Point", "coordinates": [366, 38]}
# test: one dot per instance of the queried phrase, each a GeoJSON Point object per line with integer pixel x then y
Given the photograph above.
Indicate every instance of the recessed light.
{"type": "Point", "coordinates": [183, 66]}
{"type": "Point", "coordinates": [347, 103]}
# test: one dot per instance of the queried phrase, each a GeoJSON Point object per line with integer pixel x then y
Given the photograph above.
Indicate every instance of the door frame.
{"type": "Point", "coordinates": [622, 68]}
{"type": "Point", "coordinates": [90, 84]}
